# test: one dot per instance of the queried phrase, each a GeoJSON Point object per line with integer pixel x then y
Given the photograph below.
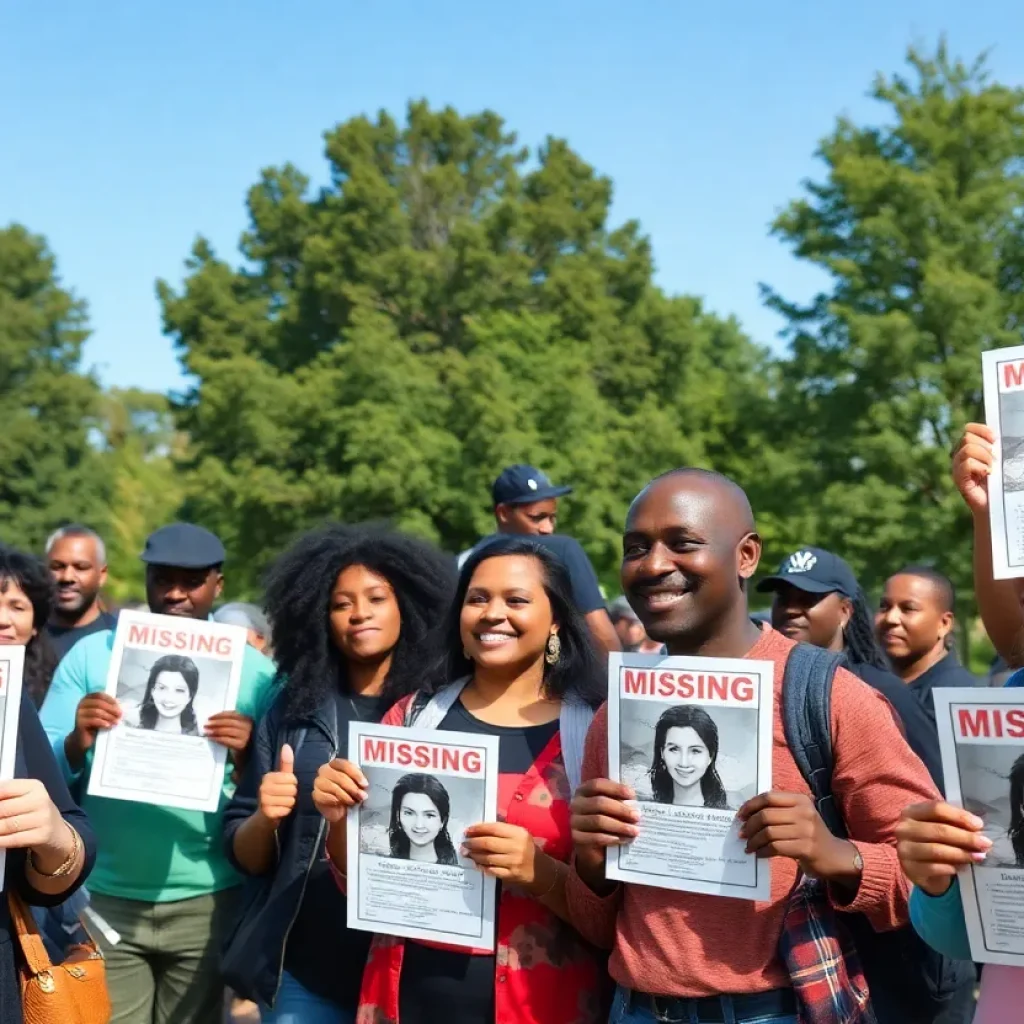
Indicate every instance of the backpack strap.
{"type": "Point", "coordinates": [573, 725]}
{"type": "Point", "coordinates": [807, 724]}
{"type": "Point", "coordinates": [427, 711]}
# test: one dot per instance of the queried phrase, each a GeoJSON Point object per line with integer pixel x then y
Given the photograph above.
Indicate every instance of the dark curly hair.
{"type": "Point", "coordinates": [298, 598]}
{"type": "Point", "coordinates": [30, 575]}
{"type": "Point", "coordinates": [579, 669]}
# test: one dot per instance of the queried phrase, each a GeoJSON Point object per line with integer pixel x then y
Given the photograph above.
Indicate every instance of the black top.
{"type": "Point", "coordinates": [586, 591]}
{"type": "Point", "coordinates": [295, 916]}
{"type": "Point", "coordinates": [320, 943]}
{"type": "Point", "coordinates": [34, 760]}
{"type": "Point", "coordinates": [947, 672]}
{"type": "Point", "coordinates": [64, 638]}
{"type": "Point", "coordinates": [919, 729]}
{"type": "Point", "coordinates": [440, 986]}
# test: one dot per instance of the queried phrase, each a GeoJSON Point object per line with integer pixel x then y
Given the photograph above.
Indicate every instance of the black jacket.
{"type": "Point", "coordinates": [254, 954]}
{"type": "Point", "coordinates": [919, 729]}
{"type": "Point", "coordinates": [33, 759]}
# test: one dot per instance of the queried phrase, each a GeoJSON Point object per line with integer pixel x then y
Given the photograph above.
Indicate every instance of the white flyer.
{"type": "Point", "coordinates": [12, 667]}
{"type": "Point", "coordinates": [981, 736]}
{"type": "Point", "coordinates": [169, 675]}
{"type": "Point", "coordinates": [1003, 377]}
{"type": "Point", "coordinates": [693, 738]}
{"type": "Point", "coordinates": [406, 875]}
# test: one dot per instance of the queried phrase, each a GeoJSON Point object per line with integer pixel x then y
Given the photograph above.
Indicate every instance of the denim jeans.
{"type": "Point", "coordinates": [622, 1014]}
{"type": "Point", "coordinates": [297, 1005]}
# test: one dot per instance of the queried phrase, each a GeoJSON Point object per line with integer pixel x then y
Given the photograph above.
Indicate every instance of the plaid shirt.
{"type": "Point", "coordinates": [822, 961]}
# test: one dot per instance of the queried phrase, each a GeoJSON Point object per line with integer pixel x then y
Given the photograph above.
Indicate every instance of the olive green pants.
{"type": "Point", "coordinates": [166, 968]}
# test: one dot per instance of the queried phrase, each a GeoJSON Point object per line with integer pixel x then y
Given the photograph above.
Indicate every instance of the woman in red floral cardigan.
{"type": "Point", "coordinates": [520, 665]}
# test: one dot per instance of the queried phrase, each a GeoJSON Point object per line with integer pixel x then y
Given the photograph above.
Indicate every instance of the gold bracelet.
{"type": "Point", "coordinates": [69, 863]}
{"type": "Point", "coordinates": [551, 888]}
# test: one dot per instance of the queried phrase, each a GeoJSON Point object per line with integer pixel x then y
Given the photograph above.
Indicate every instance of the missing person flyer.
{"type": "Point", "coordinates": [981, 735]}
{"type": "Point", "coordinates": [693, 738]}
{"type": "Point", "coordinates": [169, 675]}
{"type": "Point", "coordinates": [1003, 379]}
{"type": "Point", "coordinates": [12, 667]}
{"type": "Point", "coordinates": [405, 873]}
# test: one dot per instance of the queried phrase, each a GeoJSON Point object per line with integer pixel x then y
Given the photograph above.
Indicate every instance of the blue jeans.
{"type": "Point", "coordinates": [622, 1014]}
{"type": "Point", "coordinates": [297, 1005]}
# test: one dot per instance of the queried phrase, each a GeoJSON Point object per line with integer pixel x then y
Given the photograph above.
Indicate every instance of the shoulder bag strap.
{"type": "Point", "coordinates": [29, 940]}
{"type": "Point", "coordinates": [807, 723]}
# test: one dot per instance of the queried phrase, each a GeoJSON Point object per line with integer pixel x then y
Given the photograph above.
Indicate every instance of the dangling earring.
{"type": "Point", "coordinates": [554, 649]}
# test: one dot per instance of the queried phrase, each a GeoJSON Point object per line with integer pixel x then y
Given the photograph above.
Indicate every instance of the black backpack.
{"type": "Point", "coordinates": [910, 983]}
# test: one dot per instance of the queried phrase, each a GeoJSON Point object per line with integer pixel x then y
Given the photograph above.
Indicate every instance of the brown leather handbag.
{"type": "Point", "coordinates": [72, 992]}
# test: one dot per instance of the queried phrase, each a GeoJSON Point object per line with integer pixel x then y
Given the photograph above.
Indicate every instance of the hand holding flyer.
{"type": "Point", "coordinates": [407, 872]}
{"type": "Point", "coordinates": [12, 667]}
{"type": "Point", "coordinates": [982, 741]}
{"type": "Point", "coordinates": [935, 840]}
{"type": "Point", "coordinates": [339, 786]}
{"type": "Point", "coordinates": [692, 738]}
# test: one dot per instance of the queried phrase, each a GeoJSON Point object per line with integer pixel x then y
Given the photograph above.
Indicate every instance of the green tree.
{"type": "Point", "coordinates": [49, 472]}
{"type": "Point", "coordinates": [446, 305]}
{"type": "Point", "coordinates": [919, 223]}
{"type": "Point", "coordinates": [140, 445]}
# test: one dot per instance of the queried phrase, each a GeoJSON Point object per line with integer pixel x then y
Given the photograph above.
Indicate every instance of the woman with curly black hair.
{"type": "Point", "coordinates": [27, 598]}
{"type": "Point", "coordinates": [352, 612]}
{"type": "Point", "coordinates": [519, 663]}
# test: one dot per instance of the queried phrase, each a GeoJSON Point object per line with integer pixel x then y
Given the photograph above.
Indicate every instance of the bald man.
{"type": "Point", "coordinates": [689, 551]}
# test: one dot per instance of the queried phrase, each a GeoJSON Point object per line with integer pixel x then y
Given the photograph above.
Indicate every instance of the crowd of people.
{"type": "Point", "coordinates": [509, 640]}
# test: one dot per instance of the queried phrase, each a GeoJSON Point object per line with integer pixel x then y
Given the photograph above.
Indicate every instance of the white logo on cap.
{"type": "Point", "coordinates": [802, 561]}
{"type": "Point", "coordinates": [532, 484]}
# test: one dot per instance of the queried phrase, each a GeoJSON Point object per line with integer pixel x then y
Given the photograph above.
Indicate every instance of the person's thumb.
{"type": "Point", "coordinates": [287, 763]}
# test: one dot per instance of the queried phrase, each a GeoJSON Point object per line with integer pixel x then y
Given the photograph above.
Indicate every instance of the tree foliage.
{"type": "Point", "coordinates": [139, 445]}
{"type": "Point", "coordinates": [49, 472]}
{"type": "Point", "coordinates": [448, 304]}
{"type": "Point", "coordinates": [919, 222]}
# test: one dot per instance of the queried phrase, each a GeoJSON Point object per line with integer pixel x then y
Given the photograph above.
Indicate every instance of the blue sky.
{"type": "Point", "coordinates": [128, 128]}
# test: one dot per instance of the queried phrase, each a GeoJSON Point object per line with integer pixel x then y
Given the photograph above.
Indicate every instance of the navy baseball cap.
{"type": "Point", "coordinates": [183, 546]}
{"type": "Point", "coordinates": [523, 485]}
{"type": "Point", "coordinates": [815, 571]}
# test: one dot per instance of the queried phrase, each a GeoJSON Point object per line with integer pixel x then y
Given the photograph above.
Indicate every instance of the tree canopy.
{"type": "Point", "coordinates": [50, 473]}
{"type": "Point", "coordinates": [919, 222]}
{"type": "Point", "coordinates": [448, 304]}
{"type": "Point", "coordinates": [452, 301]}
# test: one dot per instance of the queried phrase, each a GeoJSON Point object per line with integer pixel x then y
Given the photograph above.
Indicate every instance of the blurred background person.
{"type": "Point", "coordinates": [77, 559]}
{"type": "Point", "coordinates": [630, 629]}
{"type": "Point", "coordinates": [525, 503]}
{"type": "Point", "coordinates": [915, 622]}
{"type": "Point", "coordinates": [250, 618]}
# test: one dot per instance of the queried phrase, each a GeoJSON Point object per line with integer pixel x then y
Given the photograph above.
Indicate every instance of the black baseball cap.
{"type": "Point", "coordinates": [523, 485]}
{"type": "Point", "coordinates": [815, 571]}
{"type": "Point", "coordinates": [183, 546]}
